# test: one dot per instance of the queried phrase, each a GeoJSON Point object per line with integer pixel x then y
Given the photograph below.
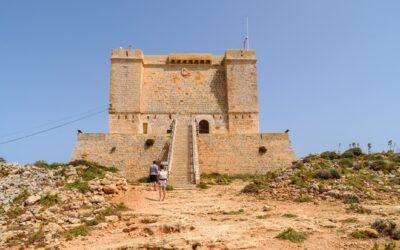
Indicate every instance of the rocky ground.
{"type": "Point", "coordinates": [42, 204]}
{"type": "Point", "coordinates": [327, 201]}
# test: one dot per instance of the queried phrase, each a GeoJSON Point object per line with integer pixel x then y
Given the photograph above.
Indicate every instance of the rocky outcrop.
{"type": "Point", "coordinates": [39, 205]}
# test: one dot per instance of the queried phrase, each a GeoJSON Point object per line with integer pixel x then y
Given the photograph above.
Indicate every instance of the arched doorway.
{"type": "Point", "coordinates": [204, 127]}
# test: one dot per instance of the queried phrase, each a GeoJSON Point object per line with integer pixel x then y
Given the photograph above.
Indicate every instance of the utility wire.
{"type": "Point", "coordinates": [52, 128]}
{"type": "Point", "coordinates": [52, 122]}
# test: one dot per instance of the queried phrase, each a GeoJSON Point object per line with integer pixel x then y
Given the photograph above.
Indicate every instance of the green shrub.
{"type": "Point", "coordinates": [346, 163]}
{"type": "Point", "coordinates": [303, 198]}
{"type": "Point", "coordinates": [395, 157]}
{"type": "Point", "coordinates": [326, 174]}
{"type": "Point", "coordinates": [149, 142]}
{"type": "Point", "coordinates": [91, 223]}
{"type": "Point", "coordinates": [169, 188]}
{"type": "Point", "coordinates": [15, 212]}
{"type": "Point", "coordinates": [385, 227]}
{"type": "Point", "coordinates": [251, 188]}
{"type": "Point", "coordinates": [329, 155]}
{"type": "Point", "coordinates": [82, 230]}
{"type": "Point", "coordinates": [396, 234]}
{"type": "Point", "coordinates": [363, 234]}
{"type": "Point", "coordinates": [378, 165]}
{"type": "Point", "coordinates": [203, 185]}
{"type": "Point", "coordinates": [21, 196]}
{"type": "Point", "coordinates": [358, 209]}
{"type": "Point", "coordinates": [93, 165]}
{"type": "Point", "coordinates": [390, 246]}
{"type": "Point", "coordinates": [145, 179]}
{"type": "Point", "coordinates": [44, 164]}
{"type": "Point", "coordinates": [289, 215]}
{"type": "Point", "coordinates": [4, 172]}
{"type": "Point", "coordinates": [292, 235]}
{"type": "Point", "coordinates": [49, 200]}
{"type": "Point", "coordinates": [91, 173]}
{"type": "Point", "coordinates": [350, 153]}
{"type": "Point", "coordinates": [82, 186]}
{"type": "Point", "coordinates": [262, 150]}
{"type": "Point", "coordinates": [36, 236]}
{"type": "Point", "coordinates": [113, 209]}
{"type": "Point", "coordinates": [309, 158]}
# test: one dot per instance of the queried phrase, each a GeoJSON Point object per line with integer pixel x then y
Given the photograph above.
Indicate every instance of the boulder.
{"type": "Point", "coordinates": [32, 199]}
{"type": "Point", "coordinates": [111, 218]}
{"type": "Point", "coordinates": [97, 199]}
{"type": "Point", "coordinates": [110, 189]}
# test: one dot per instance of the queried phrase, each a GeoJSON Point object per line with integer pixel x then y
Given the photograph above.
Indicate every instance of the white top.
{"type": "Point", "coordinates": [163, 174]}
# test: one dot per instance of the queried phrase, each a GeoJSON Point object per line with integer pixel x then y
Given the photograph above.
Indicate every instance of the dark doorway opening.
{"type": "Point", "coordinates": [204, 127]}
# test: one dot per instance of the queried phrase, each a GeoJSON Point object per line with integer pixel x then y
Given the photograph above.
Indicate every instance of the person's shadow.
{"type": "Point", "coordinates": [151, 199]}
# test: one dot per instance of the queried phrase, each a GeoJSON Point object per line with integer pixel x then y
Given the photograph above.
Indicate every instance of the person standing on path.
{"type": "Point", "coordinates": [162, 179]}
{"type": "Point", "coordinates": [153, 174]}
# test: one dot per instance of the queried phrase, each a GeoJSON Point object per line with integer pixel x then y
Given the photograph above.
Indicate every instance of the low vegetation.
{"type": "Point", "coordinates": [82, 186]}
{"type": "Point", "coordinates": [292, 235]}
{"type": "Point", "coordinates": [81, 230]}
{"type": "Point", "coordinates": [303, 198]}
{"type": "Point", "coordinates": [21, 197]}
{"type": "Point", "coordinates": [203, 185]}
{"type": "Point", "coordinates": [387, 246]}
{"type": "Point", "coordinates": [49, 200]}
{"type": "Point", "coordinates": [363, 234]}
{"type": "Point", "coordinates": [387, 228]}
{"type": "Point", "coordinates": [15, 212]}
{"type": "Point", "coordinates": [233, 212]}
{"type": "Point", "coordinates": [358, 209]}
{"type": "Point", "coordinates": [149, 142]}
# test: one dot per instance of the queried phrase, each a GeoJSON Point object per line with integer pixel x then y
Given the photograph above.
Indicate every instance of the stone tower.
{"type": "Point", "coordinates": [200, 109]}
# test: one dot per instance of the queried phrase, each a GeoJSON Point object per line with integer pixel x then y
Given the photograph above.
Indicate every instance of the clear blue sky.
{"type": "Point", "coordinates": [327, 70]}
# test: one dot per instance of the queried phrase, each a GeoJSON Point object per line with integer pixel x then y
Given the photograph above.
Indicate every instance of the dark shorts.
{"type": "Point", "coordinates": [153, 178]}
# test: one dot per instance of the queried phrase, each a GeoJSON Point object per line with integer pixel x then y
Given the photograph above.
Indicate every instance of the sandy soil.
{"type": "Point", "coordinates": [222, 218]}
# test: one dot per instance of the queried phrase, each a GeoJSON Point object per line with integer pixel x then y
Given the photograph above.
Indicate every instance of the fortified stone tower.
{"type": "Point", "coordinates": [200, 109]}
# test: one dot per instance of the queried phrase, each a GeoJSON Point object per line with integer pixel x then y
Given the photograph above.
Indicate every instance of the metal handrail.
{"type": "Point", "coordinates": [195, 158]}
{"type": "Point", "coordinates": [171, 146]}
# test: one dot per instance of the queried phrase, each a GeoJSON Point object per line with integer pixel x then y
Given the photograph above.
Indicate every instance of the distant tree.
{"type": "Point", "coordinates": [340, 144]}
{"type": "Point", "coordinates": [350, 145]}
{"type": "Point", "coordinates": [358, 145]}
{"type": "Point", "coordinates": [353, 145]}
{"type": "Point", "coordinates": [2, 160]}
{"type": "Point", "coordinates": [390, 144]}
{"type": "Point", "coordinates": [369, 147]}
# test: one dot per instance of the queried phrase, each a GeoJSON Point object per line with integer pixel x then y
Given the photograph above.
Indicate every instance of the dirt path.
{"type": "Point", "coordinates": [222, 218]}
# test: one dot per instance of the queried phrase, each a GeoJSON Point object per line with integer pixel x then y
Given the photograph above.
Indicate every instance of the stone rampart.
{"type": "Point", "coordinates": [239, 153]}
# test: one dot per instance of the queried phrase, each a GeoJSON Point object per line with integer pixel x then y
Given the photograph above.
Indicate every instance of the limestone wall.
{"type": "Point", "coordinates": [238, 154]}
{"type": "Point", "coordinates": [171, 88]}
{"type": "Point", "coordinates": [222, 153]}
{"type": "Point", "coordinates": [124, 151]}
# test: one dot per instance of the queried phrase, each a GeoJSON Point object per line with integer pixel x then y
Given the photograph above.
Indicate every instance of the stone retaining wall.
{"type": "Point", "coordinates": [223, 153]}
{"type": "Point", "coordinates": [238, 154]}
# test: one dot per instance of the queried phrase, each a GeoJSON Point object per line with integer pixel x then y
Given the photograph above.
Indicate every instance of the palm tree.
{"type": "Point", "coordinates": [390, 143]}
{"type": "Point", "coordinates": [369, 147]}
{"type": "Point", "coordinates": [353, 144]}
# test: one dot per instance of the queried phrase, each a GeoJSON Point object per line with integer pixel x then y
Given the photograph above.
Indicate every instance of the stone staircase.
{"type": "Point", "coordinates": [181, 173]}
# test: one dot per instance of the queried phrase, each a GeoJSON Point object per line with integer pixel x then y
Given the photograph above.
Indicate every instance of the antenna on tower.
{"type": "Point", "coordinates": [246, 42]}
